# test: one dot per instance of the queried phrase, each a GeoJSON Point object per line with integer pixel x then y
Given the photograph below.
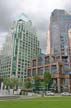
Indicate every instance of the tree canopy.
{"type": "Point", "coordinates": [36, 82]}
{"type": "Point", "coordinates": [12, 83]}
{"type": "Point", "coordinates": [27, 83]}
{"type": "Point", "coordinates": [47, 79]}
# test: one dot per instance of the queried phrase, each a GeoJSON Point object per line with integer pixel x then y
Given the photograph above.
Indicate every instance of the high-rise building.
{"type": "Point", "coordinates": [20, 46]}
{"type": "Point", "coordinates": [48, 43]}
{"type": "Point", "coordinates": [60, 23]}
{"type": "Point", "coordinates": [69, 36]}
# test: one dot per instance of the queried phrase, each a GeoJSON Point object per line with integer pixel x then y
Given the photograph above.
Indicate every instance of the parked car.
{"type": "Point", "coordinates": [65, 94]}
{"type": "Point", "coordinates": [49, 93]}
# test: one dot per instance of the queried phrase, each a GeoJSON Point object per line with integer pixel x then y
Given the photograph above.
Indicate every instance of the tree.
{"type": "Point", "coordinates": [27, 83]}
{"type": "Point", "coordinates": [36, 82]}
{"type": "Point", "coordinates": [1, 80]}
{"type": "Point", "coordinates": [7, 82]}
{"type": "Point", "coordinates": [47, 79]}
{"type": "Point", "coordinates": [15, 83]}
{"type": "Point", "coordinates": [42, 85]}
{"type": "Point", "coordinates": [11, 82]}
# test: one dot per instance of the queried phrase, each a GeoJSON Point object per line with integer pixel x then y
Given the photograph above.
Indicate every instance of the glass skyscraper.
{"type": "Point", "coordinates": [60, 23]}
{"type": "Point", "coordinates": [20, 46]}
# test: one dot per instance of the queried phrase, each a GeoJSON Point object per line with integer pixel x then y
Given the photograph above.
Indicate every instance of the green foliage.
{"type": "Point", "coordinates": [11, 82]}
{"type": "Point", "coordinates": [36, 82]}
{"type": "Point", "coordinates": [1, 80]}
{"type": "Point", "coordinates": [42, 85]}
{"type": "Point", "coordinates": [27, 83]}
{"type": "Point", "coordinates": [47, 79]}
{"type": "Point", "coordinates": [7, 82]}
{"type": "Point", "coordinates": [15, 83]}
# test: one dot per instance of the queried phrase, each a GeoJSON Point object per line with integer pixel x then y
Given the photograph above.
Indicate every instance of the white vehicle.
{"type": "Point", "coordinates": [49, 93]}
{"type": "Point", "coordinates": [65, 94]}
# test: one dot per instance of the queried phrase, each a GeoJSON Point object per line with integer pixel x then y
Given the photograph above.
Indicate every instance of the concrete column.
{"type": "Point", "coordinates": [58, 84]}
{"type": "Point", "coordinates": [69, 85]}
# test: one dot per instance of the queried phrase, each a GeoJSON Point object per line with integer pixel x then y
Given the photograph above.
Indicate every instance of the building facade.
{"type": "Point", "coordinates": [60, 23]}
{"type": "Point", "coordinates": [69, 36]}
{"type": "Point", "coordinates": [58, 59]}
{"type": "Point", "coordinates": [20, 46]}
{"type": "Point", "coordinates": [61, 79]}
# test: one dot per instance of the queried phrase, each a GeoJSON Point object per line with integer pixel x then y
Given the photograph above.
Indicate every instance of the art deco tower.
{"type": "Point", "coordinates": [20, 46]}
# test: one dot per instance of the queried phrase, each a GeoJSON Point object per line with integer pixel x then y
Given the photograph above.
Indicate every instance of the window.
{"type": "Point", "coordinates": [34, 63]}
{"type": "Point", "coordinates": [66, 66]}
{"type": "Point", "coordinates": [40, 71]}
{"type": "Point", "coordinates": [33, 72]}
{"type": "Point", "coordinates": [40, 60]}
{"type": "Point", "coordinates": [47, 60]}
{"type": "Point", "coordinates": [47, 69]}
{"type": "Point", "coordinates": [66, 82]}
{"type": "Point", "coordinates": [29, 73]}
{"type": "Point", "coordinates": [64, 59]}
{"type": "Point", "coordinates": [54, 69]}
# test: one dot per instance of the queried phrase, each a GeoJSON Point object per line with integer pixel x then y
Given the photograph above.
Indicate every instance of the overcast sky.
{"type": "Point", "coordinates": [38, 11]}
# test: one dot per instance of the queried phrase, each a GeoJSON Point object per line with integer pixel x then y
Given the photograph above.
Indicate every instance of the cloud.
{"type": "Point", "coordinates": [7, 11]}
{"type": "Point", "coordinates": [2, 38]}
{"type": "Point", "coordinates": [38, 11]}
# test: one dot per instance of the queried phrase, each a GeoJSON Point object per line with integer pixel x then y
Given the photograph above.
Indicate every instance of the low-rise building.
{"type": "Point", "coordinates": [58, 66]}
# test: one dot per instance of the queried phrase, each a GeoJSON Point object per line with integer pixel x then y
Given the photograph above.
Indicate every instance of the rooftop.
{"type": "Point", "coordinates": [22, 17]}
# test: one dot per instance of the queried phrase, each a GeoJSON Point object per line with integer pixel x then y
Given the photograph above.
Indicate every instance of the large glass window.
{"type": "Point", "coordinates": [66, 66]}
{"type": "Point", "coordinates": [47, 60]}
{"type": "Point", "coordinates": [29, 73]}
{"type": "Point", "coordinates": [33, 62]}
{"type": "Point", "coordinates": [33, 72]}
{"type": "Point", "coordinates": [55, 36]}
{"type": "Point", "coordinates": [40, 60]}
{"type": "Point", "coordinates": [47, 69]}
{"type": "Point", "coordinates": [64, 59]}
{"type": "Point", "coordinates": [66, 82]}
{"type": "Point", "coordinates": [40, 71]}
{"type": "Point", "coordinates": [54, 69]}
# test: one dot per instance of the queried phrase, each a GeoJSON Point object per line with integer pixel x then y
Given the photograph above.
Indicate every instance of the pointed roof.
{"type": "Point", "coordinates": [22, 17]}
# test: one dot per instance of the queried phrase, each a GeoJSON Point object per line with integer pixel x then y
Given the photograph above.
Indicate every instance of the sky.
{"type": "Point", "coordinates": [38, 11]}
